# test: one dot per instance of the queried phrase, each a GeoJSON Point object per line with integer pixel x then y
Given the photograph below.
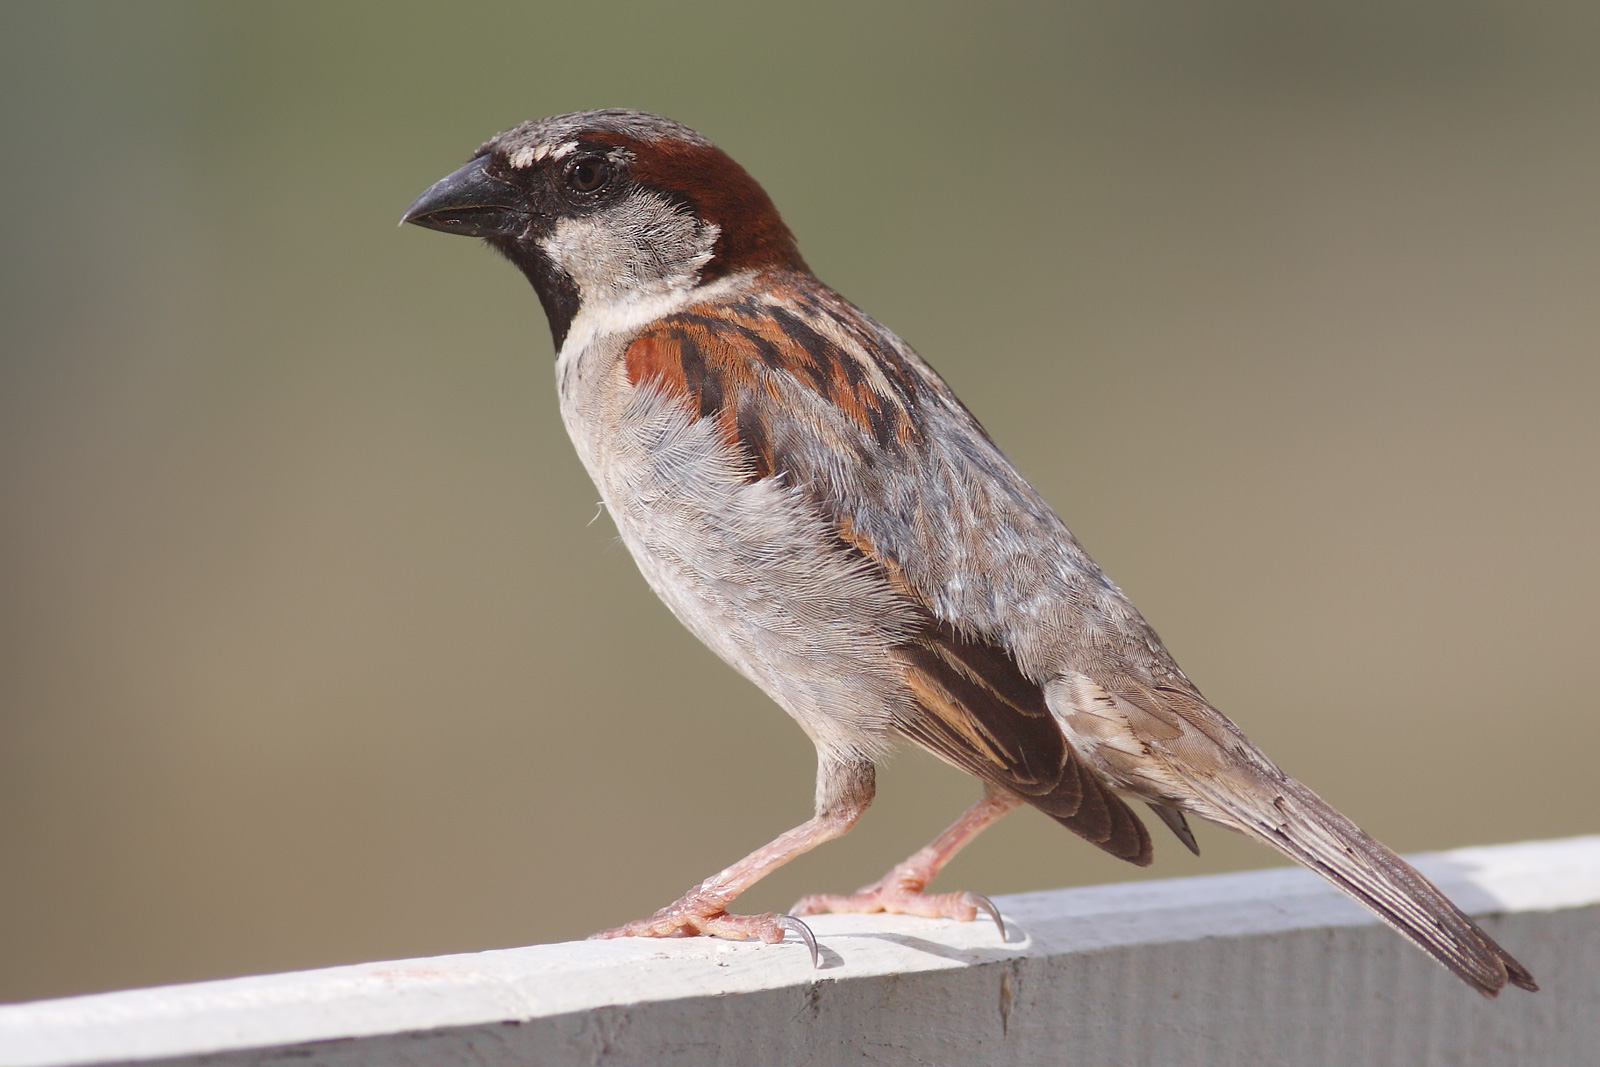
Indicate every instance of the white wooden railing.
{"type": "Point", "coordinates": [1268, 967]}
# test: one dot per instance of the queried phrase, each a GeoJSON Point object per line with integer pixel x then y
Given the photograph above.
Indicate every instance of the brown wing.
{"type": "Point", "coordinates": [808, 390]}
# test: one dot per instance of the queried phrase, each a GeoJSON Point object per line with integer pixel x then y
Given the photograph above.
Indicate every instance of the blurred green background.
{"type": "Point", "coordinates": [313, 649]}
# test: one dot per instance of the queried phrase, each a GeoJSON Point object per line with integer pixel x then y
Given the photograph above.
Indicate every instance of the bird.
{"type": "Point", "coordinates": [815, 504]}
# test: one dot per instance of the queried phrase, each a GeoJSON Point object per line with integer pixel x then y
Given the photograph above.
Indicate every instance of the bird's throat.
{"type": "Point", "coordinates": [558, 292]}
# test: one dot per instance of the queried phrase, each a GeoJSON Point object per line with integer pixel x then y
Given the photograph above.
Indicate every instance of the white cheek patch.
{"type": "Point", "coordinates": [642, 246]}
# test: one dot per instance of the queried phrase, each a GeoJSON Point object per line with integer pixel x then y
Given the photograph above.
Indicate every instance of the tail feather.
{"type": "Point", "coordinates": [1179, 825]}
{"type": "Point", "coordinates": [1284, 814]}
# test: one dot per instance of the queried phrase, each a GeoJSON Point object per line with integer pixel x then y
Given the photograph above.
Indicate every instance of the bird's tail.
{"type": "Point", "coordinates": [1281, 812]}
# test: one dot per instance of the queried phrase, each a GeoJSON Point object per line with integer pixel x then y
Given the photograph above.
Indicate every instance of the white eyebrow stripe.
{"type": "Point", "coordinates": [528, 155]}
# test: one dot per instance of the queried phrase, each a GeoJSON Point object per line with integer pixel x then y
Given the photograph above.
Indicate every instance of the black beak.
{"type": "Point", "coordinates": [472, 203]}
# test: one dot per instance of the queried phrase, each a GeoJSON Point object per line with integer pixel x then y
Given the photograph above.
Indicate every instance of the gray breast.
{"type": "Point", "coordinates": [749, 566]}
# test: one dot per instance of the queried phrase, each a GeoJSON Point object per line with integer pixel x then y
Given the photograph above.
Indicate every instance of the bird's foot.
{"type": "Point", "coordinates": [901, 893]}
{"type": "Point", "coordinates": [694, 915]}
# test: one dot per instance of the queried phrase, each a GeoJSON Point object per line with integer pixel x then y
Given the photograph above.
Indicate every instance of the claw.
{"type": "Point", "coordinates": [789, 922]}
{"type": "Point", "coordinates": [985, 904]}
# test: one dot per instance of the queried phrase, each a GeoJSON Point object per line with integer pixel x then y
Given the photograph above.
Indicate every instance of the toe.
{"type": "Point", "coordinates": [963, 907]}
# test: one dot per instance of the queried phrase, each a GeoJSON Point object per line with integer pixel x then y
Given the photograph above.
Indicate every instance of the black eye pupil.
{"type": "Point", "coordinates": [587, 175]}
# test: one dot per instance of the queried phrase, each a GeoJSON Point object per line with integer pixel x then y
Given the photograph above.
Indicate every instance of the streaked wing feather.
{"type": "Point", "coordinates": [976, 710]}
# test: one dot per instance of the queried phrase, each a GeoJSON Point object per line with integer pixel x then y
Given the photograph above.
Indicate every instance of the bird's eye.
{"type": "Point", "coordinates": [588, 174]}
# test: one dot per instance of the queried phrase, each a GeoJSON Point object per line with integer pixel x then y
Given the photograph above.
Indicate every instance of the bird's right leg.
{"type": "Point", "coordinates": [844, 790]}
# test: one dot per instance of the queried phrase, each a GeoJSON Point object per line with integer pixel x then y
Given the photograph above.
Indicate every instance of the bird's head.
{"type": "Point", "coordinates": [609, 210]}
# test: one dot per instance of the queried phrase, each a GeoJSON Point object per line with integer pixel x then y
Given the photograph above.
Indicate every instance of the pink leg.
{"type": "Point", "coordinates": [901, 890]}
{"type": "Point", "coordinates": [843, 792]}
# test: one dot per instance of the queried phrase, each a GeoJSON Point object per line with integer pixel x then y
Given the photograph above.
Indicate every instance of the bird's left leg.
{"type": "Point", "coordinates": [901, 890]}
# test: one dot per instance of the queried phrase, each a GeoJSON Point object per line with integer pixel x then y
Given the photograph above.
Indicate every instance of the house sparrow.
{"type": "Point", "coordinates": [813, 502]}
